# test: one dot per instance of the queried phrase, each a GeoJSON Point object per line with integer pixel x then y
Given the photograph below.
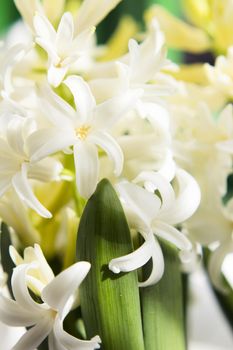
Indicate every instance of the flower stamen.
{"type": "Point", "coordinates": [82, 132]}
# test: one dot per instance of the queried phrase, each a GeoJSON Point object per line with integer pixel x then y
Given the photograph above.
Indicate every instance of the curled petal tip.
{"type": "Point", "coordinates": [114, 268]}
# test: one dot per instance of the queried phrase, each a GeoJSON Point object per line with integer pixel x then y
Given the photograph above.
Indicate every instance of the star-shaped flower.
{"type": "Point", "coordinates": [44, 319]}
{"type": "Point", "coordinates": [86, 129]}
{"type": "Point", "coordinates": [62, 46]}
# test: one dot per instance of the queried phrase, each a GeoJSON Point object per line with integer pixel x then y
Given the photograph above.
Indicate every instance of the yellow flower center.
{"type": "Point", "coordinates": [82, 131]}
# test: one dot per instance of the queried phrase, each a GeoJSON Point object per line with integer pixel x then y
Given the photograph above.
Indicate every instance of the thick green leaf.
{"type": "Point", "coordinates": [110, 303]}
{"type": "Point", "coordinates": [7, 263]}
{"type": "Point", "coordinates": [162, 307]}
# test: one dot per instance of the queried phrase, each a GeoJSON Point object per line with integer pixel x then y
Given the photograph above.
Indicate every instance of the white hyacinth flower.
{"type": "Point", "coordinates": [16, 168]}
{"type": "Point", "coordinates": [41, 274]}
{"type": "Point", "coordinates": [63, 47]}
{"type": "Point", "coordinates": [85, 128]}
{"type": "Point", "coordinates": [140, 68]}
{"type": "Point", "coordinates": [46, 318]}
{"type": "Point", "coordinates": [153, 215]}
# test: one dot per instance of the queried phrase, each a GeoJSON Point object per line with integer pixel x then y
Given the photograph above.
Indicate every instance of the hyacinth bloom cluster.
{"type": "Point", "coordinates": [69, 118]}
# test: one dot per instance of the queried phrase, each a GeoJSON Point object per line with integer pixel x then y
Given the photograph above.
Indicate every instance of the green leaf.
{"type": "Point", "coordinates": [8, 14]}
{"type": "Point", "coordinates": [110, 303]}
{"type": "Point", "coordinates": [162, 307]}
{"type": "Point", "coordinates": [7, 263]}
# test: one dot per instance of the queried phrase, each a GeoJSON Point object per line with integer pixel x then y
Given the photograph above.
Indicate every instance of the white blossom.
{"type": "Point", "coordinates": [63, 47]}
{"type": "Point", "coordinates": [154, 215]}
{"type": "Point", "coordinates": [85, 128]}
{"type": "Point", "coordinates": [16, 168]}
{"type": "Point", "coordinates": [46, 318]}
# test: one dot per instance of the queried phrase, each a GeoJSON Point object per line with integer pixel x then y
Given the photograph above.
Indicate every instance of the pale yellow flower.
{"type": "Point", "coordinates": [211, 29]}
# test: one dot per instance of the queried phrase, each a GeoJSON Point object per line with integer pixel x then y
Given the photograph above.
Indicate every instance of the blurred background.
{"type": "Point", "coordinates": [207, 326]}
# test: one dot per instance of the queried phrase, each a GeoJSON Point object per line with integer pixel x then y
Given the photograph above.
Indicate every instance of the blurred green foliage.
{"type": "Point", "coordinates": [8, 14]}
{"type": "Point", "coordinates": [136, 9]}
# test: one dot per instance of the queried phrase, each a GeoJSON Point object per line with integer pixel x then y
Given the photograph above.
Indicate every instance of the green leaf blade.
{"type": "Point", "coordinates": [162, 307]}
{"type": "Point", "coordinates": [110, 303]}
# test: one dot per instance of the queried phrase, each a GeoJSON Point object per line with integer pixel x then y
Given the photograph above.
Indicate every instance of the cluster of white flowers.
{"type": "Point", "coordinates": [67, 117]}
{"type": "Point", "coordinates": [203, 146]}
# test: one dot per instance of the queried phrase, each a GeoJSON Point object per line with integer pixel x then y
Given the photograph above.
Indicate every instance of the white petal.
{"type": "Point", "coordinates": [145, 204]}
{"type": "Point", "coordinates": [34, 336]}
{"type": "Point", "coordinates": [111, 147]}
{"type": "Point", "coordinates": [56, 75]}
{"type": "Point", "coordinates": [13, 314]}
{"type": "Point", "coordinates": [134, 52]}
{"type": "Point", "coordinates": [20, 290]}
{"type": "Point", "coordinates": [65, 32]}
{"type": "Point", "coordinates": [27, 12]}
{"type": "Point", "coordinates": [45, 142]}
{"type": "Point", "coordinates": [50, 49]}
{"type": "Point", "coordinates": [134, 221]}
{"type": "Point", "coordinates": [22, 187]}
{"type": "Point", "coordinates": [110, 111]}
{"type": "Point", "coordinates": [149, 249]}
{"type": "Point", "coordinates": [187, 200]}
{"type": "Point", "coordinates": [57, 293]}
{"type": "Point", "coordinates": [154, 181]}
{"type": "Point", "coordinates": [147, 58]}
{"type": "Point", "coordinates": [86, 167]}
{"type": "Point", "coordinates": [172, 235]}
{"type": "Point", "coordinates": [225, 146]}
{"type": "Point", "coordinates": [168, 169]}
{"type": "Point", "coordinates": [134, 260]}
{"type": "Point", "coordinates": [44, 28]}
{"type": "Point", "coordinates": [5, 184]}
{"type": "Point", "coordinates": [72, 343]}
{"type": "Point", "coordinates": [82, 41]}
{"type": "Point", "coordinates": [46, 170]}
{"type": "Point", "coordinates": [53, 343]}
{"type": "Point", "coordinates": [92, 12]}
{"type": "Point", "coordinates": [15, 135]}
{"type": "Point", "coordinates": [215, 264]}
{"type": "Point", "coordinates": [36, 254]}
{"type": "Point", "coordinates": [84, 100]}
{"type": "Point", "coordinates": [157, 265]}
{"type": "Point", "coordinates": [15, 214]}
{"type": "Point", "coordinates": [15, 256]}
{"type": "Point", "coordinates": [57, 110]}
